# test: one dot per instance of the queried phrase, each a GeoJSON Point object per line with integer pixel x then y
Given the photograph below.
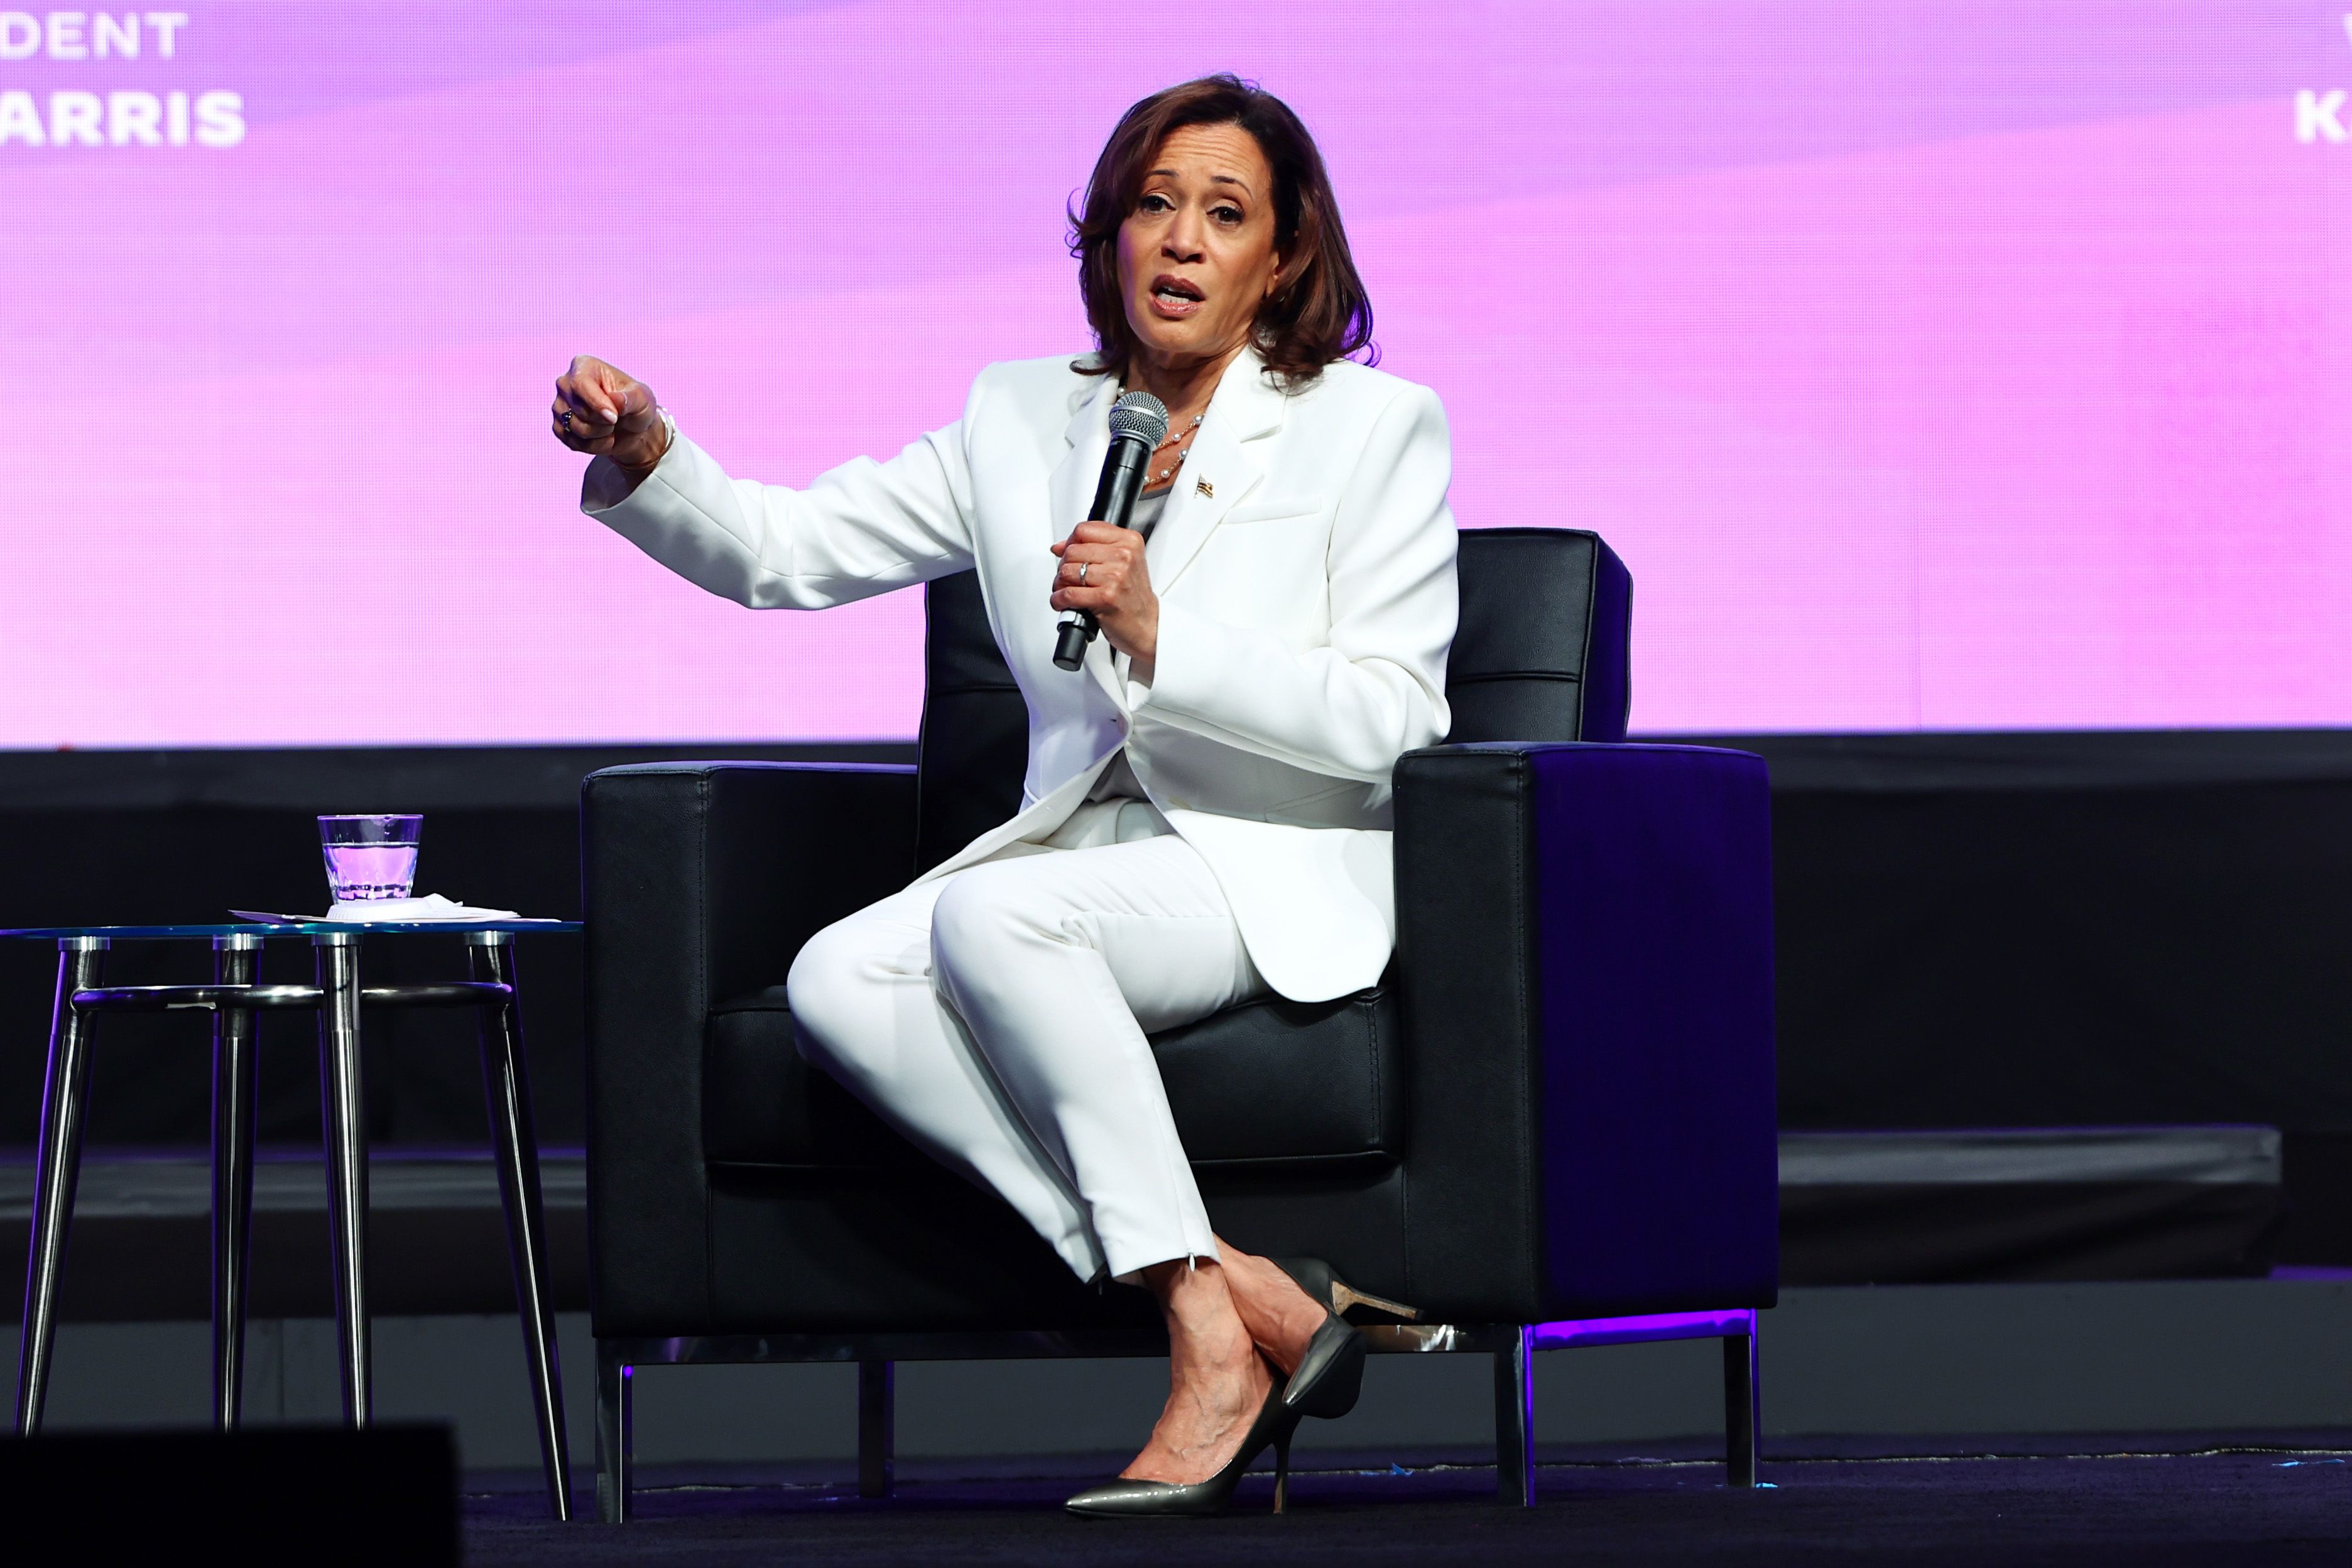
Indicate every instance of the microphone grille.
{"type": "Point", "coordinates": [1139, 414]}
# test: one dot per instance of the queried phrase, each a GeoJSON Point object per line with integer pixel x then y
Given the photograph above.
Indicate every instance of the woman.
{"type": "Point", "coordinates": [1206, 810]}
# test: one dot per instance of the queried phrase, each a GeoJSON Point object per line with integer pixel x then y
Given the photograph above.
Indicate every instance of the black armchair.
{"type": "Point", "coordinates": [1552, 1124]}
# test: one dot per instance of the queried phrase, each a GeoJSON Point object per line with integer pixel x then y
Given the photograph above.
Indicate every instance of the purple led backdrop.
{"type": "Point", "coordinates": [1961, 364]}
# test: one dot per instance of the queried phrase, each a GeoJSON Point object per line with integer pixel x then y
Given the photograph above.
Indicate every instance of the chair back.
{"type": "Point", "coordinates": [975, 737]}
{"type": "Point", "coordinates": [1542, 654]}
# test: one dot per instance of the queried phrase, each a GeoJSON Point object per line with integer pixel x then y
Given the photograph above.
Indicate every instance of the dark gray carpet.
{"type": "Point", "coordinates": [2233, 1499]}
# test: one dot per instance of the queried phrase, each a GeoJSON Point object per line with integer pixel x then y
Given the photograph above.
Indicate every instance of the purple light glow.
{"type": "Point", "coordinates": [1974, 363]}
{"type": "Point", "coordinates": [1642, 1329]}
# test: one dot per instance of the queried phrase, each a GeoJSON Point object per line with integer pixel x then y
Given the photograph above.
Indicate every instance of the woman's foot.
{"type": "Point", "coordinates": [1217, 1383]}
{"type": "Point", "coordinates": [1280, 1317]}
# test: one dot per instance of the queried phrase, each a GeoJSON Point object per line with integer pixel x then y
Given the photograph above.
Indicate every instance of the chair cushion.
{"type": "Point", "coordinates": [1270, 1082]}
{"type": "Point", "coordinates": [1289, 1080]}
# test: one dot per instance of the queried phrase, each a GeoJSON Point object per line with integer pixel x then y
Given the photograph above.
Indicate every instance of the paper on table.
{"type": "Point", "coordinates": [380, 911]}
{"type": "Point", "coordinates": [431, 907]}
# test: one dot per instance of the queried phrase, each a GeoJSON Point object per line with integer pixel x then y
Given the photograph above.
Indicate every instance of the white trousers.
{"type": "Point", "coordinates": [997, 1017]}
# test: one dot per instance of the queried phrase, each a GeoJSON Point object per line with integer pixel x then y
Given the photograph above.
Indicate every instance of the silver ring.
{"type": "Point", "coordinates": [1082, 572]}
{"type": "Point", "coordinates": [565, 419]}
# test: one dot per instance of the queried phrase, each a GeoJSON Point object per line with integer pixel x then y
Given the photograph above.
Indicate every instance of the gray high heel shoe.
{"type": "Point", "coordinates": [1125, 1499]}
{"type": "Point", "coordinates": [1329, 1378]}
{"type": "Point", "coordinates": [1315, 1276]}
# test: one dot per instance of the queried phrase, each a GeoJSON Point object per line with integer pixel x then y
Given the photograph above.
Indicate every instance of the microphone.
{"type": "Point", "coordinates": [1139, 422]}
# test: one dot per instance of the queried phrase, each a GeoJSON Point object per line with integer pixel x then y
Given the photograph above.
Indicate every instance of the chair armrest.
{"type": "Point", "coordinates": [1585, 969]}
{"type": "Point", "coordinates": [700, 881]}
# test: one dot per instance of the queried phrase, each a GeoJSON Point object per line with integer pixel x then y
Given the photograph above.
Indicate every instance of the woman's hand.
{"type": "Point", "coordinates": [608, 413]}
{"type": "Point", "coordinates": [1102, 570]}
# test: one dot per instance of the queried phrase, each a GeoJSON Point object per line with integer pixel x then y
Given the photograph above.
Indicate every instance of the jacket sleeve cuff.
{"type": "Point", "coordinates": [605, 485]}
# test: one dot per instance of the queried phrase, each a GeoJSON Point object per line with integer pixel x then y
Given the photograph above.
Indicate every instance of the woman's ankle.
{"type": "Point", "coordinates": [1202, 1314]}
{"type": "Point", "coordinates": [1189, 1289]}
{"type": "Point", "coordinates": [1280, 1316]}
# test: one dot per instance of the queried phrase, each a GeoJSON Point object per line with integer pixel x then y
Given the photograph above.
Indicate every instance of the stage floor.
{"type": "Point", "coordinates": [2216, 1497]}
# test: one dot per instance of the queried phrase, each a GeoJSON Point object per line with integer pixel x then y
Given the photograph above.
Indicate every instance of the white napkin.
{"type": "Point", "coordinates": [431, 907]}
{"type": "Point", "coordinates": [381, 911]}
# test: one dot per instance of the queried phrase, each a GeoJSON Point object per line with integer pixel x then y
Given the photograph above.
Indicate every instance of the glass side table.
{"type": "Point", "coordinates": [232, 998]}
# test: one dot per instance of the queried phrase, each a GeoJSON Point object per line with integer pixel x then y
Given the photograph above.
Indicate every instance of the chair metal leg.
{"type": "Point", "coordinates": [615, 1434]}
{"type": "Point", "coordinates": [876, 1429]}
{"type": "Point", "coordinates": [233, 1109]}
{"type": "Point", "coordinates": [1742, 1408]}
{"type": "Point", "coordinates": [343, 1113]}
{"type": "Point", "coordinates": [506, 1085]}
{"type": "Point", "coordinates": [1514, 1422]}
{"type": "Point", "coordinates": [80, 963]}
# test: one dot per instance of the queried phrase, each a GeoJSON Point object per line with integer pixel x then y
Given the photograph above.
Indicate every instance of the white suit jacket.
{"type": "Point", "coordinates": [1304, 565]}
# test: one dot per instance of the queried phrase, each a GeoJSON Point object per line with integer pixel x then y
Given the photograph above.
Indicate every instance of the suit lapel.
{"type": "Point", "coordinates": [1087, 440]}
{"type": "Point", "coordinates": [1225, 463]}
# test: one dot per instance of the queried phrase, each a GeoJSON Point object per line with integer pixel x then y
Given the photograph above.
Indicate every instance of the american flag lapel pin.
{"type": "Point", "coordinates": [1204, 488]}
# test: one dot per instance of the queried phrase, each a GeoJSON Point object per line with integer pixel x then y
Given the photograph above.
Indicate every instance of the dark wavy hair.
{"type": "Point", "coordinates": [1317, 313]}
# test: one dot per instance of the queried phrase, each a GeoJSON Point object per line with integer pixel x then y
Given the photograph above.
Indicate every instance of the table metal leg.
{"type": "Point", "coordinates": [80, 963]}
{"type": "Point", "coordinates": [343, 1116]}
{"type": "Point", "coordinates": [233, 1084]}
{"type": "Point", "coordinates": [878, 1460]}
{"type": "Point", "coordinates": [615, 1434]}
{"type": "Point", "coordinates": [506, 1084]}
{"type": "Point", "coordinates": [1514, 1422]}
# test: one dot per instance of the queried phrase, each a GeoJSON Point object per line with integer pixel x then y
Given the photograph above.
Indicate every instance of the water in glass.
{"type": "Point", "coordinates": [367, 871]}
{"type": "Point", "coordinates": [371, 858]}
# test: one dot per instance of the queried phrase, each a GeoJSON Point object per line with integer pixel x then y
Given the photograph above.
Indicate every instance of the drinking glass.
{"type": "Point", "coordinates": [369, 857]}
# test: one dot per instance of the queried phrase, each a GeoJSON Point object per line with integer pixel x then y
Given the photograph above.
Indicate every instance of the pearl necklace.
{"type": "Point", "coordinates": [1183, 444]}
